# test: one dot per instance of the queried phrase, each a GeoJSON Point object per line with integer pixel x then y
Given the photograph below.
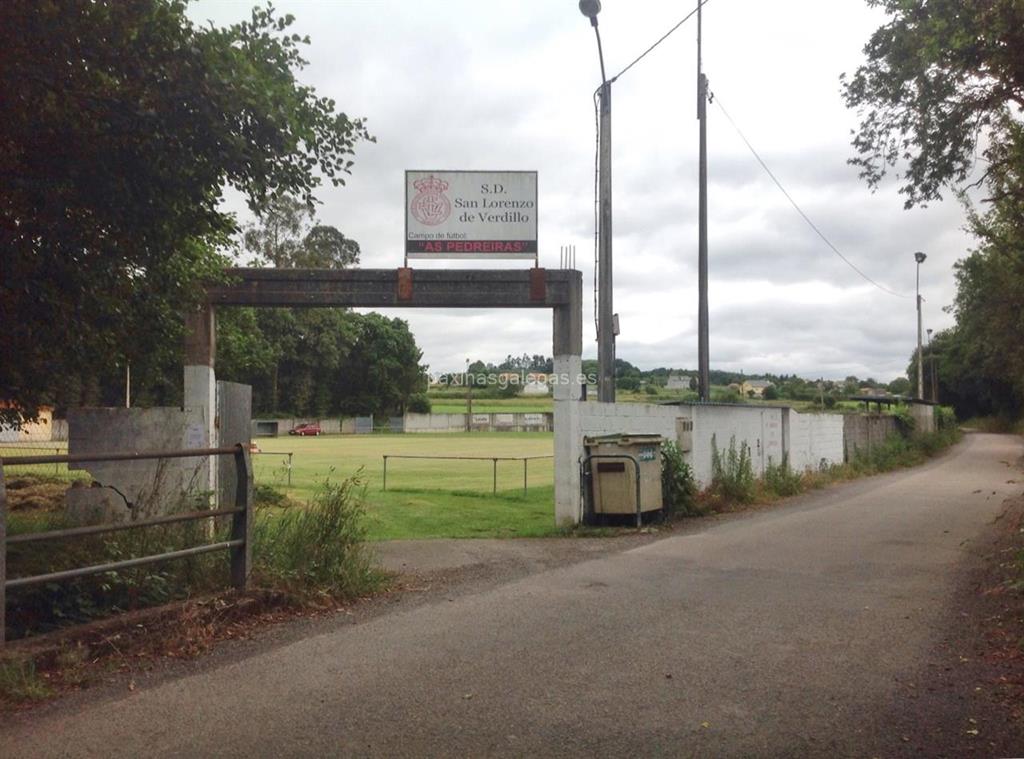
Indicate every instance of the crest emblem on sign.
{"type": "Point", "coordinates": [430, 206]}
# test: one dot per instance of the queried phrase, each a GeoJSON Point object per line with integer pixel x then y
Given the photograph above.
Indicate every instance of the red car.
{"type": "Point", "coordinates": [310, 428]}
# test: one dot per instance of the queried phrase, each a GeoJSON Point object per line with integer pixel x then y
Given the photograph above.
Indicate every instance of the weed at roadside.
{"type": "Point", "coordinates": [319, 549]}
{"type": "Point", "coordinates": [19, 681]}
{"type": "Point", "coordinates": [732, 475]}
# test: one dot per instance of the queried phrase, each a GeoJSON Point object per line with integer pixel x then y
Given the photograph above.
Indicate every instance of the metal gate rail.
{"type": "Point", "coordinates": [239, 543]}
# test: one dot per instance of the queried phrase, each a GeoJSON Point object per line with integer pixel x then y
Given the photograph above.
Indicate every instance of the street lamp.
{"type": "Point", "coordinates": [919, 257]}
{"type": "Point", "coordinates": [605, 326]}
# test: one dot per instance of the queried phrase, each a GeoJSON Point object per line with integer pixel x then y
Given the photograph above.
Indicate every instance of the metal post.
{"type": "Point", "coordinates": [469, 400]}
{"type": "Point", "coordinates": [289, 469]}
{"type": "Point", "coordinates": [385, 473]}
{"type": "Point", "coordinates": [525, 461]}
{"type": "Point", "coordinates": [56, 465]}
{"type": "Point", "coordinates": [3, 554]}
{"type": "Point", "coordinates": [606, 335]}
{"type": "Point", "coordinates": [494, 489]}
{"type": "Point", "coordinates": [241, 522]}
{"type": "Point", "coordinates": [920, 258]}
{"type": "Point", "coordinates": [703, 355]}
{"type": "Point", "coordinates": [921, 357]}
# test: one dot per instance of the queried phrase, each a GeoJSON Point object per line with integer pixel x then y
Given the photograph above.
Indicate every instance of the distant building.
{"type": "Point", "coordinates": [678, 382]}
{"type": "Point", "coordinates": [879, 392]}
{"type": "Point", "coordinates": [536, 383]}
{"type": "Point", "coordinates": [40, 430]}
{"type": "Point", "coordinates": [755, 388]}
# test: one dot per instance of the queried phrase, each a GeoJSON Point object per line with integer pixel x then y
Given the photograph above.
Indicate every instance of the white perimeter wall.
{"type": "Point", "coordinates": [760, 428]}
{"type": "Point", "coordinates": [809, 439]}
{"type": "Point", "coordinates": [813, 439]}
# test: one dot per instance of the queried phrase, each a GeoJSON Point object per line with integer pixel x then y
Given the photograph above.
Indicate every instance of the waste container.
{"type": "Point", "coordinates": [614, 463]}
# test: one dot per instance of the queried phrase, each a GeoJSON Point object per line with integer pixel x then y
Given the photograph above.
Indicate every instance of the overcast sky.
{"type": "Point", "coordinates": [508, 85]}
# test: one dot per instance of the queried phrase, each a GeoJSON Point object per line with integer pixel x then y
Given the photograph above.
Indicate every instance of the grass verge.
{"type": "Point", "coordinates": [734, 485]}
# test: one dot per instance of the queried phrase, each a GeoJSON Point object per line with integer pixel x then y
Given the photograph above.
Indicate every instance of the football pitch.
{"type": "Point", "coordinates": [425, 498]}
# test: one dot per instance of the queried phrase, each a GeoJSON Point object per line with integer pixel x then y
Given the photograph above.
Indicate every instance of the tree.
{"type": "Point", "coordinates": [901, 385]}
{"type": "Point", "coordinates": [383, 371]}
{"type": "Point", "coordinates": [943, 78]}
{"type": "Point", "coordinates": [120, 125]}
{"type": "Point", "coordinates": [287, 236]}
{"type": "Point", "coordinates": [944, 81]}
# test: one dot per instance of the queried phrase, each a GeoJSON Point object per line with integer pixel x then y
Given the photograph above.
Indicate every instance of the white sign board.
{"type": "Point", "coordinates": [471, 214]}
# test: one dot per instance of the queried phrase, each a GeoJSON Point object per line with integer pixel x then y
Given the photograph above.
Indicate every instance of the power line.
{"type": "Point", "coordinates": [799, 210]}
{"type": "Point", "coordinates": [660, 40]}
{"type": "Point", "coordinates": [597, 135]}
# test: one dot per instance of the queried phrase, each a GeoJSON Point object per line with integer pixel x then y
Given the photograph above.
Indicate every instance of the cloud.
{"type": "Point", "coordinates": [463, 84]}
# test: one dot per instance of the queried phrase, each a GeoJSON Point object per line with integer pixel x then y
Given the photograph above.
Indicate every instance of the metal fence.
{"type": "Point", "coordinates": [493, 459]}
{"type": "Point", "coordinates": [238, 545]}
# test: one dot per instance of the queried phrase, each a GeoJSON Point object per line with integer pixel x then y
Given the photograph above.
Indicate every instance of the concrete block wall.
{"type": "Point", "coordinates": [496, 422]}
{"type": "Point", "coordinates": [153, 487]}
{"type": "Point", "coordinates": [630, 418]}
{"type": "Point", "coordinates": [435, 422]}
{"type": "Point", "coordinates": [813, 440]}
{"type": "Point", "coordinates": [768, 432]}
{"type": "Point", "coordinates": [924, 417]}
{"type": "Point", "coordinates": [862, 432]}
{"type": "Point", "coordinates": [759, 427]}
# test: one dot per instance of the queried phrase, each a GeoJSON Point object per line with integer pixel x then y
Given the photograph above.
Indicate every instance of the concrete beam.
{"type": "Point", "coordinates": [559, 290]}
{"type": "Point", "coordinates": [377, 288]}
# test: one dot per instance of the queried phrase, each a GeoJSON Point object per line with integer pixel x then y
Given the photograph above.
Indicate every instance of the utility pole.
{"type": "Point", "coordinates": [605, 319]}
{"type": "Point", "coordinates": [606, 332]}
{"type": "Point", "coordinates": [919, 257]}
{"type": "Point", "coordinates": [931, 364]}
{"type": "Point", "coordinates": [703, 356]}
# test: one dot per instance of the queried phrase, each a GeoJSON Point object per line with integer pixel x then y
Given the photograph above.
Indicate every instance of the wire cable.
{"type": "Point", "coordinates": [717, 101]}
{"type": "Point", "coordinates": [597, 200]}
{"type": "Point", "coordinates": [597, 139]}
{"type": "Point", "coordinates": [663, 37]}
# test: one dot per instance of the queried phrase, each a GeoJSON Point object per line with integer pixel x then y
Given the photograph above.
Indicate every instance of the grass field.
{"type": "Point", "coordinates": [425, 498]}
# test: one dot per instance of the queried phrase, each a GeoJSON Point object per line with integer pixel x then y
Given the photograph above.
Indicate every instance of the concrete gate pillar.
{"type": "Point", "coordinates": [568, 366]}
{"type": "Point", "coordinates": [200, 398]}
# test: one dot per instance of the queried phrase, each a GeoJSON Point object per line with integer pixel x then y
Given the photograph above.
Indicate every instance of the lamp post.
{"type": "Point", "coordinates": [919, 257]}
{"type": "Point", "coordinates": [605, 327]}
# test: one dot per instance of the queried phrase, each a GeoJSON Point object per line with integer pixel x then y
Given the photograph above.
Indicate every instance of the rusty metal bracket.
{"type": "Point", "coordinates": [538, 284]}
{"type": "Point", "coordinates": [405, 284]}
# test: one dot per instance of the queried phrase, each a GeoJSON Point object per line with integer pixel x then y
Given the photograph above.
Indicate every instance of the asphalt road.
{"type": "Point", "coordinates": [781, 633]}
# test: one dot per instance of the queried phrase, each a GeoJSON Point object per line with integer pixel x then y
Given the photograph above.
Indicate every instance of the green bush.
{"type": "Point", "coordinates": [319, 549]}
{"type": "Point", "coordinates": [678, 487]}
{"type": "Point", "coordinates": [419, 403]}
{"type": "Point", "coordinates": [780, 479]}
{"type": "Point", "coordinates": [905, 422]}
{"type": "Point", "coordinates": [732, 475]}
{"type": "Point", "coordinates": [945, 419]}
